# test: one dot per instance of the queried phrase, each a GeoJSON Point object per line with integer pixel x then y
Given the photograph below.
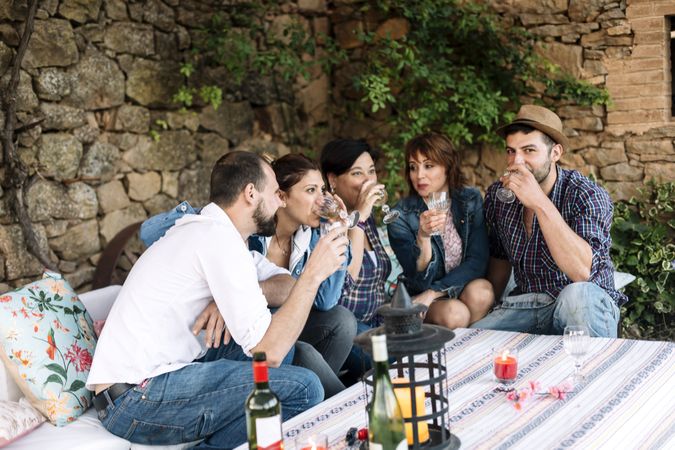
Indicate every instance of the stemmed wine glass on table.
{"type": "Point", "coordinates": [438, 201]}
{"type": "Point", "coordinates": [576, 340]}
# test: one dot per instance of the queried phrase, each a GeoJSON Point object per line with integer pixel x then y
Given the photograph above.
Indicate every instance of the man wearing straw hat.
{"type": "Point", "coordinates": [554, 236]}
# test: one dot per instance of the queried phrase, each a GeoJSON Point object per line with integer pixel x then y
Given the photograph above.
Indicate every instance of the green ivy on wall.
{"type": "Point", "coordinates": [643, 244]}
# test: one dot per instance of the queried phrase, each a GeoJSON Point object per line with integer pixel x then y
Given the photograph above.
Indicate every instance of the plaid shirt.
{"type": "Point", "coordinates": [365, 295]}
{"type": "Point", "coordinates": [587, 210]}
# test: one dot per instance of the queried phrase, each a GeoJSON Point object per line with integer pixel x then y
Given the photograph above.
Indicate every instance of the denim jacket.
{"type": "Point", "coordinates": [304, 241]}
{"type": "Point", "coordinates": [156, 226]}
{"type": "Point", "coordinates": [467, 213]}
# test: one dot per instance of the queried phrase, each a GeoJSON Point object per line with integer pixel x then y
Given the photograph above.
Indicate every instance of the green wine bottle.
{"type": "Point", "coordinates": [263, 410]}
{"type": "Point", "coordinates": [385, 421]}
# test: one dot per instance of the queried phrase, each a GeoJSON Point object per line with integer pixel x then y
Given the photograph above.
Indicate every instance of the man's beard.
{"type": "Point", "coordinates": [541, 174]}
{"type": "Point", "coordinates": [266, 226]}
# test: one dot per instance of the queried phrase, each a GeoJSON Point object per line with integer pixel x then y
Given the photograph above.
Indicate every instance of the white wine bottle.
{"type": "Point", "coordinates": [385, 420]}
{"type": "Point", "coordinates": [263, 410]}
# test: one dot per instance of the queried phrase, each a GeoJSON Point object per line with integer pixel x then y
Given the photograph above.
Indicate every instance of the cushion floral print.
{"type": "Point", "coordinates": [47, 346]}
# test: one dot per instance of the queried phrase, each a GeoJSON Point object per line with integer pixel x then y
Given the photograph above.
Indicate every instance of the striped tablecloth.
{"type": "Point", "coordinates": [626, 402]}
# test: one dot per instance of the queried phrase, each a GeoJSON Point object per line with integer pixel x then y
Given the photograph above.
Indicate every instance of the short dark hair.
{"type": "Point", "coordinates": [338, 156]}
{"type": "Point", "coordinates": [438, 148]}
{"type": "Point", "coordinates": [290, 169]}
{"type": "Point", "coordinates": [232, 172]}
{"type": "Point", "coordinates": [522, 128]}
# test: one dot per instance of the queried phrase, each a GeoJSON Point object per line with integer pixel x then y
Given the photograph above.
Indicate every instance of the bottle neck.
{"type": "Point", "coordinates": [260, 374]}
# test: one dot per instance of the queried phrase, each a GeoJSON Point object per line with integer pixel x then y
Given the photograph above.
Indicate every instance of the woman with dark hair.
{"type": "Point", "coordinates": [330, 328]}
{"type": "Point", "coordinates": [444, 272]}
{"type": "Point", "coordinates": [349, 168]}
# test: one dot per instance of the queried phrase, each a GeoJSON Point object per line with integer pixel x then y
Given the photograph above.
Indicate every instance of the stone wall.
{"type": "Point", "coordinates": [101, 73]}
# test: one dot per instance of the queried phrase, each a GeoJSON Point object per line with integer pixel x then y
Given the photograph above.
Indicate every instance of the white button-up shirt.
{"type": "Point", "coordinates": [149, 329]}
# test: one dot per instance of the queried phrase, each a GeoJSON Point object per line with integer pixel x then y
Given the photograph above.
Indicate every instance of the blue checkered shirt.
{"type": "Point", "coordinates": [364, 295]}
{"type": "Point", "coordinates": [587, 210]}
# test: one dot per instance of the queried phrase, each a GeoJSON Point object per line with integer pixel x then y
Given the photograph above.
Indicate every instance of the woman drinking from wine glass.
{"type": "Point", "coordinates": [349, 168]}
{"type": "Point", "coordinates": [330, 328]}
{"type": "Point", "coordinates": [443, 251]}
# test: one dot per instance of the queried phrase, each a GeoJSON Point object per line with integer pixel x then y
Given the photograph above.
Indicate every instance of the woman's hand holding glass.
{"type": "Point", "coordinates": [370, 193]}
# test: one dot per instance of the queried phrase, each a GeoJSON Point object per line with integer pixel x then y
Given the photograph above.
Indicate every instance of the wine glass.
{"type": "Point", "coordinates": [438, 201]}
{"type": "Point", "coordinates": [381, 202]}
{"type": "Point", "coordinates": [327, 208]}
{"type": "Point", "coordinates": [506, 195]}
{"type": "Point", "coordinates": [576, 340]}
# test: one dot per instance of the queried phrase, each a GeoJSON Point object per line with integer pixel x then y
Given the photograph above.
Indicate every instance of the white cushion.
{"type": "Point", "coordinates": [99, 301]}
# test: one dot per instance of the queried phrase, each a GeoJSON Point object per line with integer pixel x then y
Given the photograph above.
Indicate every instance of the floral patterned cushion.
{"type": "Point", "coordinates": [47, 346]}
{"type": "Point", "coordinates": [17, 419]}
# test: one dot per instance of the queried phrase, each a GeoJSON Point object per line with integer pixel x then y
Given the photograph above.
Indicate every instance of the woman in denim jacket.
{"type": "Point", "coordinates": [444, 272]}
{"type": "Point", "coordinates": [330, 328]}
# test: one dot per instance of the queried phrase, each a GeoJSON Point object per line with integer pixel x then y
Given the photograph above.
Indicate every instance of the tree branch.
{"type": "Point", "coordinates": [16, 176]}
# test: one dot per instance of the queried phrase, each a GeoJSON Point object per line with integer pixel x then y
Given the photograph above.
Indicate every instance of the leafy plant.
{"type": "Point", "coordinates": [643, 245]}
{"type": "Point", "coordinates": [461, 69]}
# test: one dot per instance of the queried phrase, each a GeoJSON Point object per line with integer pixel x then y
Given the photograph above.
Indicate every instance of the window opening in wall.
{"type": "Point", "coordinates": [671, 28]}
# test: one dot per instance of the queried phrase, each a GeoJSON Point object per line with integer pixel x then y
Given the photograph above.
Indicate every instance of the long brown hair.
{"type": "Point", "coordinates": [290, 169]}
{"type": "Point", "coordinates": [438, 148]}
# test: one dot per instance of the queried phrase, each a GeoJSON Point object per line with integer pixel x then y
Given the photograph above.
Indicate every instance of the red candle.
{"type": "Point", "coordinates": [506, 367]}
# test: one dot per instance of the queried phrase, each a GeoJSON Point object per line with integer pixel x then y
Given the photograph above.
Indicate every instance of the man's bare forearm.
{"type": "Point", "coordinates": [276, 289]}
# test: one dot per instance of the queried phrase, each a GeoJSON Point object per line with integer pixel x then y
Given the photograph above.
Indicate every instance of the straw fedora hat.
{"type": "Point", "coordinates": [541, 119]}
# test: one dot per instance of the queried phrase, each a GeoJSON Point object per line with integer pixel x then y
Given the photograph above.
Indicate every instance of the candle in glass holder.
{"type": "Point", "coordinates": [505, 365]}
{"type": "Point", "coordinates": [312, 442]}
{"type": "Point", "coordinates": [404, 397]}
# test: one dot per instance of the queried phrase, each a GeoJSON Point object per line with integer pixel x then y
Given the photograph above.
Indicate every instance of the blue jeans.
{"type": "Point", "coordinates": [580, 303]}
{"type": "Point", "coordinates": [205, 400]}
{"type": "Point", "coordinates": [358, 361]}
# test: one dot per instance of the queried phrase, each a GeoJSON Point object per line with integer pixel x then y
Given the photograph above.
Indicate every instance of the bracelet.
{"type": "Point", "coordinates": [362, 225]}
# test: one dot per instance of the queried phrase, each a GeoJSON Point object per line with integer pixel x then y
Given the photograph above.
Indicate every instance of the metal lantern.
{"type": "Point", "coordinates": [419, 355]}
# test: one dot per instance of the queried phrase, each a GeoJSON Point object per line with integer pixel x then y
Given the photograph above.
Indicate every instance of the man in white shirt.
{"type": "Point", "coordinates": [153, 380]}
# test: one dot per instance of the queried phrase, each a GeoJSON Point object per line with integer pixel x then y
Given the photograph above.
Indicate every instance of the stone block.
{"type": "Point", "coordinates": [100, 82]}
{"type": "Point", "coordinates": [170, 183]}
{"type": "Point", "coordinates": [315, 99]}
{"type": "Point", "coordinates": [622, 172]}
{"type": "Point", "coordinates": [638, 116]}
{"type": "Point", "coordinates": [8, 35]}
{"type": "Point", "coordinates": [394, 28]}
{"type": "Point", "coordinates": [632, 91]}
{"type": "Point", "coordinates": [602, 157]}
{"type": "Point", "coordinates": [80, 241]}
{"type": "Point", "coordinates": [313, 6]}
{"type": "Point", "coordinates": [585, 123]}
{"type": "Point", "coordinates": [159, 203]}
{"type": "Point", "coordinates": [193, 184]}
{"type": "Point", "coordinates": [620, 30]}
{"type": "Point", "coordinates": [128, 37]}
{"type": "Point", "coordinates": [571, 160]}
{"type": "Point", "coordinates": [584, 10]}
{"type": "Point", "coordinates": [568, 57]}
{"type": "Point", "coordinates": [647, 24]}
{"type": "Point", "coordinates": [541, 19]}
{"type": "Point", "coordinates": [649, 145]}
{"type": "Point", "coordinates": [116, 9]}
{"type": "Point", "coordinates": [153, 83]}
{"type": "Point", "coordinates": [188, 120]}
{"type": "Point", "coordinates": [51, 44]}
{"type": "Point", "coordinates": [83, 275]}
{"type": "Point", "coordinates": [630, 104]}
{"type": "Point", "coordinates": [135, 119]}
{"type": "Point", "coordinates": [26, 100]}
{"type": "Point", "coordinates": [593, 68]}
{"type": "Point", "coordinates": [80, 11]}
{"type": "Point", "coordinates": [347, 34]}
{"type": "Point", "coordinates": [232, 120]}
{"type": "Point", "coordinates": [160, 15]}
{"type": "Point", "coordinates": [636, 10]}
{"type": "Point", "coordinates": [649, 51]}
{"type": "Point", "coordinates": [61, 117]}
{"type": "Point", "coordinates": [54, 228]}
{"type": "Point", "coordinates": [52, 84]}
{"type": "Point", "coordinates": [99, 161]}
{"type": "Point", "coordinates": [493, 158]}
{"type": "Point", "coordinates": [650, 37]}
{"type": "Point", "coordinates": [112, 196]}
{"type": "Point", "coordinates": [583, 141]}
{"type": "Point", "coordinates": [210, 147]}
{"type": "Point", "coordinates": [143, 186]}
{"type": "Point", "coordinates": [59, 155]}
{"type": "Point", "coordinates": [662, 172]}
{"type": "Point", "coordinates": [636, 78]}
{"type": "Point", "coordinates": [622, 190]}
{"type": "Point", "coordinates": [112, 223]}
{"type": "Point", "coordinates": [173, 151]}
{"type": "Point", "coordinates": [46, 200]}
{"type": "Point", "coordinates": [19, 262]}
